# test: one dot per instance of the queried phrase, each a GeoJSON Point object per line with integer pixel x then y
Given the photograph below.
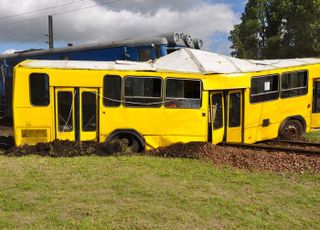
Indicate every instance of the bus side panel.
{"type": "Point", "coordinates": [32, 124]}
{"type": "Point", "coordinates": [165, 125]}
{"type": "Point", "coordinates": [263, 120]}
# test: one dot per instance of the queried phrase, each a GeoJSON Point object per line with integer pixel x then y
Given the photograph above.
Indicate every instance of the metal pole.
{"type": "Point", "coordinates": [50, 35]}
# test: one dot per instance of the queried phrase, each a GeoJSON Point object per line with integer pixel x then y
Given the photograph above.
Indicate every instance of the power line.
{"type": "Point", "coordinates": [56, 14]}
{"type": "Point", "coordinates": [39, 10]}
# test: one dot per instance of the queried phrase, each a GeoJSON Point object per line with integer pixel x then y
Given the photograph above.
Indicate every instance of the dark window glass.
{"type": "Point", "coordinates": [294, 84]}
{"type": "Point", "coordinates": [217, 109]}
{"type": "Point", "coordinates": [89, 111]}
{"type": "Point", "coordinates": [39, 89]}
{"type": "Point", "coordinates": [264, 88]}
{"type": "Point", "coordinates": [316, 97]}
{"type": "Point", "coordinates": [65, 110]}
{"type": "Point", "coordinates": [145, 54]}
{"type": "Point", "coordinates": [112, 91]}
{"type": "Point", "coordinates": [143, 91]}
{"type": "Point", "coordinates": [235, 110]}
{"type": "Point", "coordinates": [183, 93]}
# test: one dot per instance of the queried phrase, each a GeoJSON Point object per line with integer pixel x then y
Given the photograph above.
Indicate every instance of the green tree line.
{"type": "Point", "coordinates": [278, 29]}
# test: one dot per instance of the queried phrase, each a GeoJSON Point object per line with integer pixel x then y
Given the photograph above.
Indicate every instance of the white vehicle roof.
{"type": "Point", "coordinates": [195, 61]}
{"type": "Point", "coordinates": [182, 60]}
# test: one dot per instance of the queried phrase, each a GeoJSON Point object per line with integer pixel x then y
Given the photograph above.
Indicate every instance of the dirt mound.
{"type": "Point", "coordinates": [6, 142]}
{"type": "Point", "coordinates": [67, 148]}
{"type": "Point", "coordinates": [247, 159]}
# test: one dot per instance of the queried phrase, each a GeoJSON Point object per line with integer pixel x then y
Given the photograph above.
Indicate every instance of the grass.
{"type": "Point", "coordinates": [151, 193]}
{"type": "Point", "coordinates": [313, 136]}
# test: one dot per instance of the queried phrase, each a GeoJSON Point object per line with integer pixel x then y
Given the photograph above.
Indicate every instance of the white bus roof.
{"type": "Point", "coordinates": [195, 61]}
{"type": "Point", "coordinates": [182, 60]}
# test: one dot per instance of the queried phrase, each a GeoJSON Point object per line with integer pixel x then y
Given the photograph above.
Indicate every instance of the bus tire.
{"type": "Point", "coordinates": [133, 141]}
{"type": "Point", "coordinates": [291, 130]}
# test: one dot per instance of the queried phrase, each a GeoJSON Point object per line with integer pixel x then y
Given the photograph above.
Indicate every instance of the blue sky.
{"type": "Point", "coordinates": [97, 21]}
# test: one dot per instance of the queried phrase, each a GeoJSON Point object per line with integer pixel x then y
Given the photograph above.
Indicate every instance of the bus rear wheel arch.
{"type": "Point", "coordinates": [133, 139]}
{"type": "Point", "coordinates": [292, 129]}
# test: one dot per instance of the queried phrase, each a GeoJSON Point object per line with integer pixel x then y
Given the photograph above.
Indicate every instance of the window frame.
{"type": "Point", "coordinates": [103, 91]}
{"type": "Point", "coordinates": [258, 94]}
{"type": "Point", "coordinates": [183, 98]}
{"type": "Point", "coordinates": [123, 92]}
{"type": "Point", "coordinates": [30, 89]}
{"type": "Point", "coordinates": [307, 85]}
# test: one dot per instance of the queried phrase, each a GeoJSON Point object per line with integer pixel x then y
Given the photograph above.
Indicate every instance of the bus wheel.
{"type": "Point", "coordinates": [131, 141]}
{"type": "Point", "coordinates": [291, 130]}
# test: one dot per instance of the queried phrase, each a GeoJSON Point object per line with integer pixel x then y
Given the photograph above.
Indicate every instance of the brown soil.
{"type": "Point", "coordinates": [70, 149]}
{"type": "Point", "coordinates": [251, 160]}
{"type": "Point", "coordinates": [247, 159]}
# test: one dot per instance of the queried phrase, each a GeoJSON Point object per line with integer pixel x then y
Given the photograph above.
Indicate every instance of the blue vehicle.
{"type": "Point", "coordinates": [142, 49]}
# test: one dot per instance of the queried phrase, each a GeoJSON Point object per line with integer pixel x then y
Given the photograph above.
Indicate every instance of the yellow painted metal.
{"type": "Point", "coordinates": [159, 126]}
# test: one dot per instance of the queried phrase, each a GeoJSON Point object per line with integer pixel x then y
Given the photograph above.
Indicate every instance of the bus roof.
{"type": "Point", "coordinates": [183, 60]}
{"type": "Point", "coordinates": [199, 61]}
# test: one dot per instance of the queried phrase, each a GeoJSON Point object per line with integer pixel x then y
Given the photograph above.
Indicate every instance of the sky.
{"type": "Point", "coordinates": [24, 23]}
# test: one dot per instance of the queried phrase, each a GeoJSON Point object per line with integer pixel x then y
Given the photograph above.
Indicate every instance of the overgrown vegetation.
{"type": "Point", "coordinates": [151, 193]}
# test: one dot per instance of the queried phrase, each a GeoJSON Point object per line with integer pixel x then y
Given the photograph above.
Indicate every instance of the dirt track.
{"type": "Point", "coordinates": [251, 160]}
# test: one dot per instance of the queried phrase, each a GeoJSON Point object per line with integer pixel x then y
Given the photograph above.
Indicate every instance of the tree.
{"type": "Point", "coordinates": [278, 29]}
{"type": "Point", "coordinates": [248, 37]}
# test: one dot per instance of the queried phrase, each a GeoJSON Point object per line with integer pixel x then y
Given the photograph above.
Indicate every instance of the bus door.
{"type": "Point", "coordinates": [64, 114]}
{"type": "Point", "coordinates": [234, 116]}
{"type": "Point", "coordinates": [76, 111]}
{"type": "Point", "coordinates": [217, 116]}
{"type": "Point", "coordinates": [88, 114]}
{"type": "Point", "coordinates": [315, 117]}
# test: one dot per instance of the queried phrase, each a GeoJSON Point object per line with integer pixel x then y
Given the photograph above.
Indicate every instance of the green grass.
{"type": "Point", "coordinates": [313, 136]}
{"type": "Point", "coordinates": [151, 193]}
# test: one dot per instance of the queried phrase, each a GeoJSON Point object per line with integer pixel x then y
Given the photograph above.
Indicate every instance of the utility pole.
{"type": "Point", "coordinates": [50, 34]}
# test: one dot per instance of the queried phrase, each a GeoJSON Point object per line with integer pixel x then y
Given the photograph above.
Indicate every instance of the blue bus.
{"type": "Point", "coordinates": [142, 49]}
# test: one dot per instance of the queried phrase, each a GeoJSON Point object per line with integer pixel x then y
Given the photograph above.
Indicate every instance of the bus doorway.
{"type": "Point", "coordinates": [315, 117]}
{"type": "Point", "coordinates": [217, 116]}
{"type": "Point", "coordinates": [234, 116]}
{"type": "Point", "coordinates": [226, 108]}
{"type": "Point", "coordinates": [76, 114]}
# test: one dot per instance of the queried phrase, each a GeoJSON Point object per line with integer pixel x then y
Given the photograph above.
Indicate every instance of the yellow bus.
{"type": "Point", "coordinates": [152, 105]}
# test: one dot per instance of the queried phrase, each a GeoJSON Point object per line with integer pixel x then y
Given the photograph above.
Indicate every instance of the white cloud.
{"type": "Point", "coordinates": [125, 19]}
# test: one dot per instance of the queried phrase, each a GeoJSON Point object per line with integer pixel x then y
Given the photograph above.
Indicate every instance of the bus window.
{"type": "Point", "coordinates": [112, 91]}
{"type": "Point", "coordinates": [235, 110]}
{"type": "Point", "coordinates": [316, 97]}
{"type": "Point", "coordinates": [65, 117]}
{"type": "Point", "coordinates": [183, 93]}
{"type": "Point", "coordinates": [39, 89]}
{"type": "Point", "coordinates": [264, 88]}
{"type": "Point", "coordinates": [143, 91]}
{"type": "Point", "coordinates": [294, 84]}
